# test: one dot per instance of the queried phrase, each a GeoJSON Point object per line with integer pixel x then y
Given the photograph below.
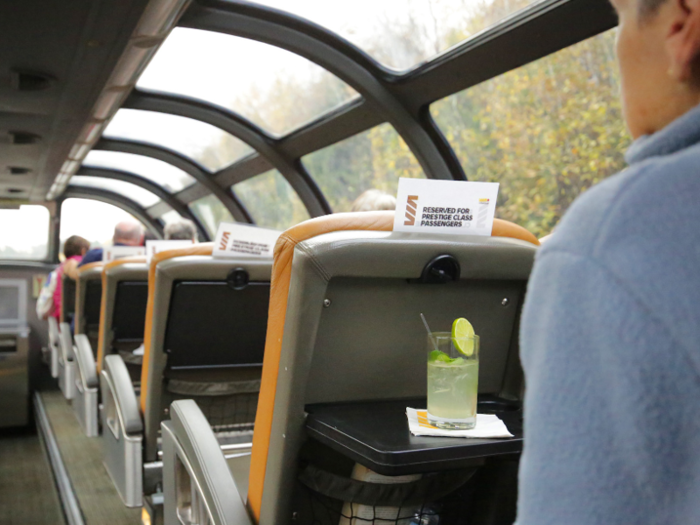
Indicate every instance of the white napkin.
{"type": "Point", "coordinates": [139, 350]}
{"type": "Point", "coordinates": [487, 426]}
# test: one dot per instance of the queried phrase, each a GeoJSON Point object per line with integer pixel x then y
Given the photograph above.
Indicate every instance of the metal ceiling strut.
{"type": "Point", "coordinates": [75, 191]}
{"type": "Point", "coordinates": [167, 197]}
{"type": "Point", "coordinates": [243, 129]}
{"type": "Point", "coordinates": [341, 58]}
{"type": "Point", "coordinates": [198, 172]}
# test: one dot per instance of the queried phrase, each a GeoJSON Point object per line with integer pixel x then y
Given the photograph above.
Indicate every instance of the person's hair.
{"type": "Point", "coordinates": [74, 245]}
{"type": "Point", "coordinates": [649, 7]}
{"type": "Point", "coordinates": [181, 230]}
{"type": "Point", "coordinates": [128, 231]}
{"type": "Point", "coordinates": [374, 200]}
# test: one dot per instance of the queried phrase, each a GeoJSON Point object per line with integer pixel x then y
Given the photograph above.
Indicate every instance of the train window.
{"type": "Point", "coordinates": [135, 193]}
{"type": "Point", "coordinates": [91, 219]}
{"type": "Point", "coordinates": [210, 146]}
{"type": "Point", "coordinates": [210, 213]}
{"type": "Point", "coordinates": [546, 131]}
{"type": "Point", "coordinates": [402, 33]}
{"type": "Point", "coordinates": [170, 216]}
{"type": "Point", "coordinates": [28, 238]}
{"type": "Point", "coordinates": [374, 159]}
{"type": "Point", "coordinates": [164, 174]}
{"type": "Point", "coordinates": [285, 93]}
{"type": "Point", "coordinates": [271, 200]}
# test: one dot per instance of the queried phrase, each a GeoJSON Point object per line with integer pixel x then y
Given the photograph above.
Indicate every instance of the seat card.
{"type": "Point", "coordinates": [236, 240]}
{"type": "Point", "coordinates": [112, 253]}
{"type": "Point", "coordinates": [445, 207]}
{"type": "Point", "coordinates": [153, 247]}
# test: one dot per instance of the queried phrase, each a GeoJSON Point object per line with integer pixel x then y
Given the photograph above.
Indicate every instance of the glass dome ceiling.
{"type": "Point", "coordinates": [210, 146]}
{"type": "Point", "coordinates": [273, 88]}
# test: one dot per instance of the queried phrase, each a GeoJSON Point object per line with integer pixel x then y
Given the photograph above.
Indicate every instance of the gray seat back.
{"type": "Point", "coordinates": [88, 300]}
{"type": "Point", "coordinates": [207, 337]}
{"type": "Point", "coordinates": [352, 330]}
{"type": "Point", "coordinates": [122, 320]}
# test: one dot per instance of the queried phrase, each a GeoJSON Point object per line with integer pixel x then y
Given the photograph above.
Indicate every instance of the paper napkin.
{"type": "Point", "coordinates": [487, 426]}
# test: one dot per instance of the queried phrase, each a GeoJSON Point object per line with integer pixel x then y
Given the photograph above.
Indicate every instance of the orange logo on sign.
{"type": "Point", "coordinates": [411, 208]}
{"type": "Point", "coordinates": [224, 241]}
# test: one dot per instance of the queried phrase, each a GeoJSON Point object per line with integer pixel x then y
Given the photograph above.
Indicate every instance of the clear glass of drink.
{"type": "Point", "coordinates": [453, 380]}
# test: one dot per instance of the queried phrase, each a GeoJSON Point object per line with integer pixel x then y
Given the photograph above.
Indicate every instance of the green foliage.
{"type": "Point", "coordinates": [271, 201]}
{"type": "Point", "coordinates": [210, 213]}
{"type": "Point", "coordinates": [546, 131]}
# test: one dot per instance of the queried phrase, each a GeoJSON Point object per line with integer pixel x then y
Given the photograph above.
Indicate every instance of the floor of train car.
{"type": "Point", "coordinates": [27, 490]}
{"type": "Point", "coordinates": [28, 493]}
{"type": "Point", "coordinates": [82, 457]}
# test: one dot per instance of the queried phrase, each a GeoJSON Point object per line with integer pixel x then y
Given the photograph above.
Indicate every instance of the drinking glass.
{"type": "Point", "coordinates": [453, 380]}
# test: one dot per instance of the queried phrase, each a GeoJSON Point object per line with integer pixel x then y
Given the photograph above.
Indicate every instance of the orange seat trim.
{"type": "Point", "coordinates": [103, 302]}
{"type": "Point", "coordinates": [204, 248]}
{"type": "Point", "coordinates": [279, 291]}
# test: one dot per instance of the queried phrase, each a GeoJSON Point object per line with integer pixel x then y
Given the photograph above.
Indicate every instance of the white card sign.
{"type": "Point", "coordinates": [112, 253]}
{"type": "Point", "coordinates": [153, 247]}
{"type": "Point", "coordinates": [236, 240]}
{"type": "Point", "coordinates": [445, 207]}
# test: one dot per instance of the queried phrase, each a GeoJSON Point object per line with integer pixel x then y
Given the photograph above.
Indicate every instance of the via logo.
{"type": "Point", "coordinates": [411, 208]}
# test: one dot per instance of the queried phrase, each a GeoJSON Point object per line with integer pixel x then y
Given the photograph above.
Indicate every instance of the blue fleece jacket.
{"type": "Point", "coordinates": [610, 345]}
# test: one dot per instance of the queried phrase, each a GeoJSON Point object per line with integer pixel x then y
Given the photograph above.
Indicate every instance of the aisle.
{"type": "Point", "coordinates": [82, 457]}
{"type": "Point", "coordinates": [27, 491]}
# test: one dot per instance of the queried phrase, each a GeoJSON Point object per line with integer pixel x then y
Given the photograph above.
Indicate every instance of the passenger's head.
{"type": "Point", "coordinates": [374, 200]}
{"type": "Point", "coordinates": [658, 48]}
{"type": "Point", "coordinates": [183, 229]}
{"type": "Point", "coordinates": [128, 233]}
{"type": "Point", "coordinates": [75, 245]}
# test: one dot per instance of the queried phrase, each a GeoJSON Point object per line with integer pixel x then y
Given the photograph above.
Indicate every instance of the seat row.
{"type": "Point", "coordinates": [210, 418]}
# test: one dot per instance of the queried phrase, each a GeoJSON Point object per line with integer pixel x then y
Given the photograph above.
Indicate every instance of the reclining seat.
{"type": "Point", "coordinates": [88, 299]}
{"type": "Point", "coordinates": [120, 313]}
{"type": "Point", "coordinates": [205, 336]}
{"type": "Point", "coordinates": [342, 304]}
{"type": "Point", "coordinates": [65, 365]}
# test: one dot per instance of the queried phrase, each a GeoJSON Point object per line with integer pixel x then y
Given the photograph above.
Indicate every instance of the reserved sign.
{"type": "Point", "coordinates": [236, 240]}
{"type": "Point", "coordinates": [153, 247]}
{"type": "Point", "coordinates": [112, 253]}
{"type": "Point", "coordinates": [445, 207]}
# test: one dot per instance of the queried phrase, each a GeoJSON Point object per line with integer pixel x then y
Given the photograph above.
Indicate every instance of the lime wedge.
{"type": "Point", "coordinates": [463, 336]}
{"type": "Point", "coordinates": [437, 355]}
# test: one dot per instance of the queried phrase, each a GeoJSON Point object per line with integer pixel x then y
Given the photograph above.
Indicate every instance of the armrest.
{"type": "Point", "coordinates": [65, 341]}
{"type": "Point", "coordinates": [208, 464]}
{"type": "Point", "coordinates": [123, 392]}
{"type": "Point", "coordinates": [86, 361]}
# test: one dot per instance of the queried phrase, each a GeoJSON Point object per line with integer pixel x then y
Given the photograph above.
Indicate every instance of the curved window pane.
{"type": "Point", "coordinates": [374, 159]}
{"type": "Point", "coordinates": [166, 175]}
{"type": "Point", "coordinates": [92, 220]}
{"type": "Point", "coordinates": [210, 213]}
{"type": "Point", "coordinates": [546, 131]}
{"type": "Point", "coordinates": [28, 238]}
{"type": "Point", "coordinates": [171, 216]}
{"type": "Point", "coordinates": [212, 147]}
{"type": "Point", "coordinates": [137, 194]}
{"type": "Point", "coordinates": [403, 33]}
{"type": "Point", "coordinates": [275, 89]}
{"type": "Point", "coordinates": [271, 201]}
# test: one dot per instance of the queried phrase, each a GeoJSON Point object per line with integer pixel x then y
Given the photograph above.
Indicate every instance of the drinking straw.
{"type": "Point", "coordinates": [430, 334]}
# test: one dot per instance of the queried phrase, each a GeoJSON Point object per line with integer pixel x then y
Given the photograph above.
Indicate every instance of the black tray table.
{"type": "Point", "coordinates": [376, 435]}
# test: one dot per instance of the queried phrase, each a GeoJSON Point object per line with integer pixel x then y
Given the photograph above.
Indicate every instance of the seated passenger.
{"type": "Point", "coordinates": [74, 249]}
{"type": "Point", "coordinates": [374, 200]}
{"type": "Point", "coordinates": [183, 229]}
{"type": "Point", "coordinates": [611, 323]}
{"type": "Point", "coordinates": [126, 233]}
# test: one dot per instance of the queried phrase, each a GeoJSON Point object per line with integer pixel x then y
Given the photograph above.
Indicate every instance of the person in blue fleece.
{"type": "Point", "coordinates": [610, 339]}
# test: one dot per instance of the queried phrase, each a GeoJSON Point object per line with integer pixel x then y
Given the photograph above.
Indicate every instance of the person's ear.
{"type": "Point", "coordinates": [683, 39]}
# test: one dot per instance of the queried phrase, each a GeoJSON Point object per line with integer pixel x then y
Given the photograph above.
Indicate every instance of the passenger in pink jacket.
{"type": "Point", "coordinates": [73, 250]}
